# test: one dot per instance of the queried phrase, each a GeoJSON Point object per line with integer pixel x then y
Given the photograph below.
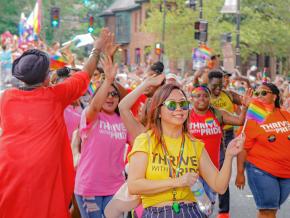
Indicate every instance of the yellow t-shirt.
{"type": "Point", "coordinates": [223, 101]}
{"type": "Point", "coordinates": [158, 169]}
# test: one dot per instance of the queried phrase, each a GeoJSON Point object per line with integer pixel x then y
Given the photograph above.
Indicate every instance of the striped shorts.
{"type": "Point", "coordinates": [187, 210]}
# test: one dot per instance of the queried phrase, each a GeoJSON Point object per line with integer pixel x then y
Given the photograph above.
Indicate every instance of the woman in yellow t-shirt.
{"type": "Point", "coordinates": [165, 162]}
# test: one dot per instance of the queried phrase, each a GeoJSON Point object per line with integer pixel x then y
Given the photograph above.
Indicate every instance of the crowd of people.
{"type": "Point", "coordinates": [72, 137]}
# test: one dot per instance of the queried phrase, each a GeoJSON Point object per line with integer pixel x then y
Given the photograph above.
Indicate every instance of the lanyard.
{"type": "Point", "coordinates": [174, 173]}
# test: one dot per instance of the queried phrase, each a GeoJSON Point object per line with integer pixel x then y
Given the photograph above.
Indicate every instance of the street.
{"type": "Point", "coordinates": [242, 202]}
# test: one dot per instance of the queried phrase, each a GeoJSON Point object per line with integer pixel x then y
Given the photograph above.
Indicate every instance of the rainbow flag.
{"type": "Point", "coordinates": [258, 111]}
{"type": "Point", "coordinates": [34, 19]}
{"type": "Point", "coordinates": [92, 88]}
{"type": "Point", "coordinates": [205, 50]}
{"type": "Point", "coordinates": [57, 62]}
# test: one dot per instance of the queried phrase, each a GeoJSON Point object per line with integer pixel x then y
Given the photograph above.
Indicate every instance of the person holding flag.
{"type": "Point", "coordinates": [266, 151]}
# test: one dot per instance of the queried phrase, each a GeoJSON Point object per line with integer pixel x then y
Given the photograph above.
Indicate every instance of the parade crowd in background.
{"type": "Point", "coordinates": [76, 131]}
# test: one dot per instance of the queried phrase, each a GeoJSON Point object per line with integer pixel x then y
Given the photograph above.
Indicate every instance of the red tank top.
{"type": "Point", "coordinates": [206, 127]}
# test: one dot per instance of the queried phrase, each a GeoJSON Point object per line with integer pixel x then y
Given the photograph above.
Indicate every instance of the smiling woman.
{"type": "Point", "coordinates": [165, 162]}
{"type": "Point", "coordinates": [104, 136]}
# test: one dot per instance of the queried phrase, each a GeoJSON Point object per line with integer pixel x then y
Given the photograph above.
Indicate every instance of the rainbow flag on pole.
{"type": "Point", "coordinates": [258, 111]}
{"type": "Point", "coordinates": [57, 62]}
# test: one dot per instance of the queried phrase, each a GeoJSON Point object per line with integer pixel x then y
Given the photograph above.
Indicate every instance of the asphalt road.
{"type": "Point", "coordinates": [242, 203]}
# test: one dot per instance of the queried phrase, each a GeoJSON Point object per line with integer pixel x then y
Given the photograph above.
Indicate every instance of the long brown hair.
{"type": "Point", "coordinates": [154, 120]}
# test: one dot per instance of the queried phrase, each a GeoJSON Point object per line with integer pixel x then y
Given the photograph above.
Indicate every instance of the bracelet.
{"type": "Point", "coordinates": [95, 53]}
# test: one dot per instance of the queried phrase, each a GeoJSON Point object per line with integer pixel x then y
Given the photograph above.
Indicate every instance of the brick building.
{"type": "Point", "coordinates": [125, 18]}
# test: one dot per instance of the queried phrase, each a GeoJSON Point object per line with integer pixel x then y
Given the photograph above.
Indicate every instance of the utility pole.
{"type": "Point", "coordinates": [163, 31]}
{"type": "Point", "coordinates": [200, 9]}
{"type": "Point", "coordinates": [238, 52]}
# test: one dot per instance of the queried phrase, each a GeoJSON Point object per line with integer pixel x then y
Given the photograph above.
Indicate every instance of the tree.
{"type": "Point", "coordinates": [264, 27]}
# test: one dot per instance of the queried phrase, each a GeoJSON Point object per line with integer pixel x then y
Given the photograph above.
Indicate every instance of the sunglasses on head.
{"type": "Point", "coordinates": [114, 94]}
{"type": "Point", "coordinates": [172, 105]}
{"type": "Point", "coordinates": [261, 93]}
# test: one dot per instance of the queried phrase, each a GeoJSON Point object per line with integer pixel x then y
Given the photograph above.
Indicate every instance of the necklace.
{"type": "Point", "coordinates": [173, 173]}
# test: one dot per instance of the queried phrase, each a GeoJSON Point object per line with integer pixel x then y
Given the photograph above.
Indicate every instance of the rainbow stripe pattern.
{"type": "Point", "coordinates": [258, 111]}
{"type": "Point", "coordinates": [92, 88]}
{"type": "Point", "coordinates": [209, 120]}
{"type": "Point", "coordinates": [57, 62]}
{"type": "Point", "coordinates": [205, 50]}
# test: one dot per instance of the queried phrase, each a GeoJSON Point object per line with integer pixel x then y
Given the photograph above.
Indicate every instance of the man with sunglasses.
{"type": "Point", "coordinates": [225, 100]}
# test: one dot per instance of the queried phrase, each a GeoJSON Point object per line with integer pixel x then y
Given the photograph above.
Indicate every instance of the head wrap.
{"type": "Point", "coordinates": [201, 88]}
{"type": "Point", "coordinates": [31, 67]}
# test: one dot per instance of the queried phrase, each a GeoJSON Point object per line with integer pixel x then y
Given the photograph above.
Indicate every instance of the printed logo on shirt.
{"type": "Point", "coordinates": [219, 103]}
{"type": "Point", "coordinates": [115, 131]}
{"type": "Point", "coordinates": [188, 164]}
{"type": "Point", "coordinates": [271, 138]}
{"type": "Point", "coordinates": [278, 127]}
{"type": "Point", "coordinates": [209, 127]}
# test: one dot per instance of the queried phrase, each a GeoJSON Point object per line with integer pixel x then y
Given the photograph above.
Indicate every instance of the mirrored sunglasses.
{"type": "Point", "coordinates": [172, 105]}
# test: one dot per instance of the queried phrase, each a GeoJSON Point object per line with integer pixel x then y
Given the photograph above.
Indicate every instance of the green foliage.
{"type": "Point", "coordinates": [265, 27]}
{"type": "Point", "coordinates": [73, 17]}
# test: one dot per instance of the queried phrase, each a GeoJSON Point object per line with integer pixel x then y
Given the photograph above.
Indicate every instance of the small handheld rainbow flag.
{"type": "Point", "coordinates": [57, 62]}
{"type": "Point", "coordinates": [258, 111]}
{"type": "Point", "coordinates": [92, 88]}
{"type": "Point", "coordinates": [205, 50]}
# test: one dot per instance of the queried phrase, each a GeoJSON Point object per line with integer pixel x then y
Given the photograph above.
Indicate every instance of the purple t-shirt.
{"type": "Point", "coordinates": [100, 170]}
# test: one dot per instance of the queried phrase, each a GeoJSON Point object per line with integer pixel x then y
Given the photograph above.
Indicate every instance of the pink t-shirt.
{"type": "Point", "coordinates": [72, 118]}
{"type": "Point", "coordinates": [100, 170]}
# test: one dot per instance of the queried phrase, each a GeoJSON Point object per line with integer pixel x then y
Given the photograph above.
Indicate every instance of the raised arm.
{"type": "Point", "coordinates": [134, 127]}
{"type": "Point", "coordinates": [219, 180]}
{"type": "Point", "coordinates": [101, 95]}
{"type": "Point", "coordinates": [99, 45]}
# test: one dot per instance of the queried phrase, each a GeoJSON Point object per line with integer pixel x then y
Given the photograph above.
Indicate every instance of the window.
{"type": "Point", "coordinates": [137, 55]}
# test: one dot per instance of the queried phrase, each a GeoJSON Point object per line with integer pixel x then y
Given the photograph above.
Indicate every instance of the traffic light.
{"type": "Point", "coordinates": [91, 24]}
{"type": "Point", "coordinates": [158, 48]}
{"type": "Point", "coordinates": [54, 17]}
{"type": "Point", "coordinates": [200, 30]}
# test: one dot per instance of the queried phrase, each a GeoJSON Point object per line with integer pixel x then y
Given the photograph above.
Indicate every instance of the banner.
{"type": "Point", "coordinates": [200, 57]}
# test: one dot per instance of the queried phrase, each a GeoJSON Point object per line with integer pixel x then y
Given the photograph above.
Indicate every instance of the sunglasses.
{"type": "Point", "coordinates": [114, 94]}
{"type": "Point", "coordinates": [261, 93]}
{"type": "Point", "coordinates": [172, 105]}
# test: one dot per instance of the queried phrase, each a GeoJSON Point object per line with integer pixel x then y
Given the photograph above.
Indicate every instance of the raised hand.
{"type": "Point", "coordinates": [110, 47]}
{"type": "Point", "coordinates": [110, 68]}
{"type": "Point", "coordinates": [103, 39]}
{"type": "Point", "coordinates": [154, 80]}
{"type": "Point", "coordinates": [247, 97]}
{"type": "Point", "coordinates": [236, 145]}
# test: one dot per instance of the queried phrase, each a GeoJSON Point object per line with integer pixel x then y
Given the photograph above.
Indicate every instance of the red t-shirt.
{"type": "Point", "coordinates": [136, 107]}
{"type": "Point", "coordinates": [268, 144]}
{"type": "Point", "coordinates": [36, 165]}
{"type": "Point", "coordinates": [206, 127]}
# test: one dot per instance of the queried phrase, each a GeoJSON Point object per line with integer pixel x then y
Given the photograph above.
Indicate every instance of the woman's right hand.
{"type": "Point", "coordinates": [187, 180]}
{"type": "Point", "coordinates": [110, 68]}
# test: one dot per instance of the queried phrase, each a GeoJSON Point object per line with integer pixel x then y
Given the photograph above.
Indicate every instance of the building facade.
{"type": "Point", "coordinates": [125, 18]}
